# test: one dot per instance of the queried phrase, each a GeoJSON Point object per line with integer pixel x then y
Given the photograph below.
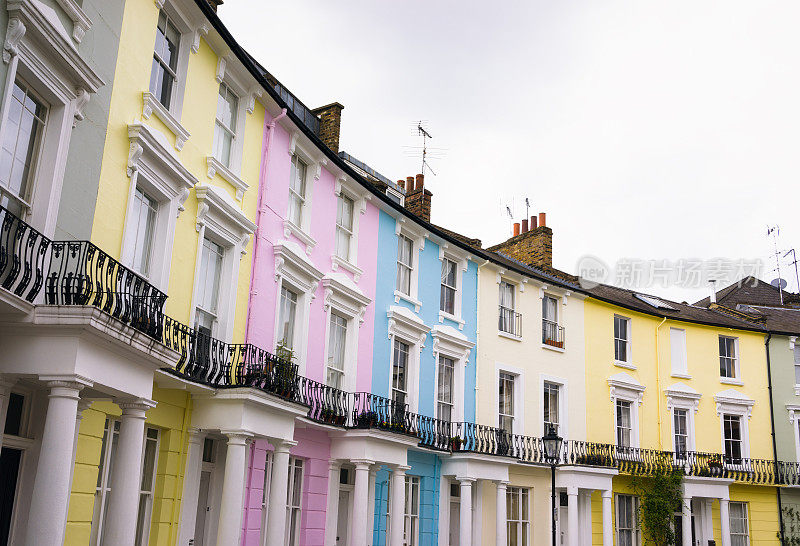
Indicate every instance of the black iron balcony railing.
{"type": "Point", "coordinates": [372, 411]}
{"type": "Point", "coordinates": [552, 334]}
{"type": "Point", "coordinates": [23, 252]}
{"type": "Point", "coordinates": [510, 322]}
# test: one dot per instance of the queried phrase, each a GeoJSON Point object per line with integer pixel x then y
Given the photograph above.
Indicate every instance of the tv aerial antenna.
{"type": "Point", "coordinates": [794, 263]}
{"type": "Point", "coordinates": [428, 152]}
{"type": "Point", "coordinates": [774, 232]}
{"type": "Point", "coordinates": [425, 136]}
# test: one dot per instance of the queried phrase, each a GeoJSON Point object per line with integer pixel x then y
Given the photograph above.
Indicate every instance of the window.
{"type": "Point", "coordinates": [208, 286]}
{"type": "Point", "coordinates": [740, 536]}
{"type": "Point", "coordinates": [677, 349]}
{"type": "Point", "coordinates": [286, 317]}
{"type": "Point", "coordinates": [732, 430]}
{"type": "Point", "coordinates": [23, 130]}
{"type": "Point", "coordinates": [628, 520]}
{"type": "Point", "coordinates": [447, 298]}
{"type": "Point", "coordinates": [797, 365]}
{"type": "Point", "coordinates": [623, 423]}
{"type": "Point", "coordinates": [297, 190]}
{"type": "Point", "coordinates": [622, 339]}
{"type": "Point", "coordinates": [140, 232]}
{"type": "Point", "coordinates": [225, 124]}
{"type": "Point", "coordinates": [165, 61]}
{"type": "Point", "coordinates": [727, 357]}
{"type": "Point", "coordinates": [337, 339]}
{"type": "Point", "coordinates": [108, 451]}
{"type": "Point", "coordinates": [344, 226]}
{"type": "Point", "coordinates": [265, 498]}
{"type": "Point", "coordinates": [147, 487]}
{"type": "Point", "coordinates": [15, 413]}
{"type": "Point", "coordinates": [209, 450]}
{"type": "Point", "coordinates": [506, 406]}
{"type": "Point", "coordinates": [508, 317]}
{"type": "Point", "coordinates": [444, 393]}
{"type": "Point", "coordinates": [293, 501]}
{"type": "Point", "coordinates": [517, 516]}
{"type": "Point", "coordinates": [551, 391]}
{"type": "Point", "coordinates": [411, 519]}
{"type": "Point", "coordinates": [552, 333]}
{"type": "Point", "coordinates": [405, 264]}
{"type": "Point", "coordinates": [400, 374]}
{"type": "Point", "coordinates": [680, 425]}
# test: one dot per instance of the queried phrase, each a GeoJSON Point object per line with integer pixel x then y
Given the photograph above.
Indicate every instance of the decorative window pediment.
{"type": "Point", "coordinates": [680, 395]}
{"type": "Point", "coordinates": [292, 264]}
{"type": "Point", "coordinates": [344, 296]}
{"type": "Point", "coordinates": [732, 401]}
{"type": "Point", "coordinates": [626, 386]}
{"type": "Point", "coordinates": [450, 342]}
{"type": "Point", "coordinates": [218, 213]}
{"type": "Point", "coordinates": [406, 325]}
{"type": "Point", "coordinates": [151, 155]}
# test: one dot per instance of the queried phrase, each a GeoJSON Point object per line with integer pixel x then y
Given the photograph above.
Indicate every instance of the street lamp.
{"type": "Point", "coordinates": [552, 449]}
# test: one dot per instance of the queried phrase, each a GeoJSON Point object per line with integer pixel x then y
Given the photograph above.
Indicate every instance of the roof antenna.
{"type": "Point", "coordinates": [527, 208]}
{"type": "Point", "coordinates": [425, 136]}
{"type": "Point", "coordinates": [794, 263]}
{"type": "Point", "coordinates": [774, 231]}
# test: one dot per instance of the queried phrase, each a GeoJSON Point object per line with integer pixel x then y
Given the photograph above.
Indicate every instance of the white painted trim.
{"type": "Point", "coordinates": [731, 402]}
{"type": "Point", "coordinates": [519, 396]}
{"type": "Point", "coordinates": [216, 167]}
{"type": "Point", "coordinates": [563, 403]}
{"type": "Point", "coordinates": [737, 373]}
{"type": "Point", "coordinates": [80, 22]}
{"type": "Point", "coordinates": [629, 351]}
{"type": "Point", "coordinates": [447, 341]}
{"type": "Point", "coordinates": [314, 165]}
{"type": "Point", "coordinates": [680, 396]}
{"type": "Point", "coordinates": [345, 186]}
{"type": "Point", "coordinates": [461, 260]}
{"type": "Point", "coordinates": [417, 236]}
{"type": "Point", "coordinates": [151, 105]}
{"type": "Point", "coordinates": [409, 329]}
{"type": "Point", "coordinates": [794, 419]}
{"type": "Point", "coordinates": [627, 388]}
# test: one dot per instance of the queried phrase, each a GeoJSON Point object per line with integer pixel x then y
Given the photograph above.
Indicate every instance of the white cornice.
{"type": "Point", "coordinates": [147, 140]}
{"type": "Point", "coordinates": [216, 167]}
{"type": "Point", "coordinates": [225, 218]}
{"type": "Point", "coordinates": [150, 106]}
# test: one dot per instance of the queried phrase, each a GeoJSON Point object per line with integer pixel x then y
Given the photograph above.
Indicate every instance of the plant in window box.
{"type": "Point", "coordinates": [455, 443]}
{"type": "Point", "coordinates": [368, 419]}
{"type": "Point", "coordinates": [715, 468]}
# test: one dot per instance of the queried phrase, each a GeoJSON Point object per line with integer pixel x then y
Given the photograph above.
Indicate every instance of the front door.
{"type": "Point", "coordinates": [343, 519]}
{"type": "Point", "coordinates": [202, 508]}
{"type": "Point", "coordinates": [9, 471]}
{"type": "Point", "coordinates": [563, 525]}
{"type": "Point", "coordinates": [455, 521]}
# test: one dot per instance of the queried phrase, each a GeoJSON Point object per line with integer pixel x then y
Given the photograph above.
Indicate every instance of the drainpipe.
{"type": "Point", "coordinates": [772, 426]}
{"type": "Point", "coordinates": [658, 384]}
{"type": "Point", "coordinates": [265, 157]}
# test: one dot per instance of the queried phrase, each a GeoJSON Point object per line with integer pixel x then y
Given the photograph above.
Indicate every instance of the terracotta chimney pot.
{"type": "Point", "coordinates": [525, 225]}
{"type": "Point", "coordinates": [542, 218]}
{"type": "Point", "coordinates": [402, 184]}
{"type": "Point", "coordinates": [410, 184]}
{"type": "Point", "coordinates": [533, 222]}
{"type": "Point", "coordinates": [516, 229]}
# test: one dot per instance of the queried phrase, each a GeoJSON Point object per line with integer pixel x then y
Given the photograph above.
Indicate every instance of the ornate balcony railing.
{"type": "Point", "coordinates": [23, 252]}
{"type": "Point", "coordinates": [372, 411]}
{"type": "Point", "coordinates": [510, 322]}
{"type": "Point", "coordinates": [326, 404]}
{"type": "Point", "coordinates": [552, 334]}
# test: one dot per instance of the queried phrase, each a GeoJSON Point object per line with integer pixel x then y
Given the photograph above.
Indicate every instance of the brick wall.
{"type": "Point", "coordinates": [535, 247]}
{"type": "Point", "coordinates": [330, 122]}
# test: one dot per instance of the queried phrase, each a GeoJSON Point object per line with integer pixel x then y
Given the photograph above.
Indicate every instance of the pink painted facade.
{"type": "Point", "coordinates": [313, 446]}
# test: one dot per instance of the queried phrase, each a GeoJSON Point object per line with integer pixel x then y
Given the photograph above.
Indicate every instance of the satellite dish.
{"type": "Point", "coordinates": [779, 283]}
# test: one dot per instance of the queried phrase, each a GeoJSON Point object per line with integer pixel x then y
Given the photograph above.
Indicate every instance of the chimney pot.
{"type": "Point", "coordinates": [410, 183]}
{"type": "Point", "coordinates": [402, 184]}
{"type": "Point", "coordinates": [516, 229]}
{"type": "Point", "coordinates": [533, 222]}
{"type": "Point", "coordinates": [525, 225]}
{"type": "Point", "coordinates": [542, 218]}
{"type": "Point", "coordinates": [420, 182]}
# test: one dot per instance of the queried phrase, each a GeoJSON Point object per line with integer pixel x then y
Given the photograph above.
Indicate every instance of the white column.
{"type": "Point", "coordinates": [47, 516]}
{"type": "Point", "coordinates": [465, 514]}
{"type": "Point", "coordinates": [397, 506]}
{"type": "Point", "coordinates": [586, 517]}
{"type": "Point", "coordinates": [686, 519]}
{"type": "Point", "coordinates": [123, 504]}
{"type": "Point", "coordinates": [725, 521]}
{"type": "Point", "coordinates": [501, 529]}
{"type": "Point", "coordinates": [608, 526]}
{"type": "Point", "coordinates": [360, 500]}
{"type": "Point", "coordinates": [332, 511]}
{"type": "Point", "coordinates": [229, 528]}
{"type": "Point", "coordinates": [279, 483]}
{"type": "Point", "coordinates": [574, 538]}
{"type": "Point", "coordinates": [373, 473]}
{"type": "Point", "coordinates": [191, 486]}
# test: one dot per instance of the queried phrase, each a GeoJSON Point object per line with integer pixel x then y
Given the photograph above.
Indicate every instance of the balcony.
{"type": "Point", "coordinates": [23, 254]}
{"type": "Point", "coordinates": [552, 334]}
{"type": "Point", "coordinates": [510, 322]}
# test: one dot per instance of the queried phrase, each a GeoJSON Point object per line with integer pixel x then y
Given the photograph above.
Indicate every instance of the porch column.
{"type": "Point", "coordinates": [278, 486]}
{"type": "Point", "coordinates": [725, 521]}
{"type": "Point", "coordinates": [501, 529]}
{"type": "Point", "coordinates": [229, 528]}
{"type": "Point", "coordinates": [574, 538]}
{"type": "Point", "coordinates": [332, 511]}
{"type": "Point", "coordinates": [465, 515]}
{"type": "Point", "coordinates": [686, 519]}
{"type": "Point", "coordinates": [373, 473]}
{"type": "Point", "coordinates": [608, 524]}
{"type": "Point", "coordinates": [397, 506]}
{"type": "Point", "coordinates": [47, 516]}
{"type": "Point", "coordinates": [123, 504]}
{"type": "Point", "coordinates": [360, 500]}
{"type": "Point", "coordinates": [191, 485]}
{"type": "Point", "coordinates": [586, 517]}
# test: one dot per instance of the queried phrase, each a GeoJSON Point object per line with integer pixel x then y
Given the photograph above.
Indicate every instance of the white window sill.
{"type": "Point", "coordinates": [215, 167]}
{"type": "Point", "coordinates": [797, 390]}
{"type": "Point", "coordinates": [509, 336]}
{"type": "Point", "coordinates": [681, 375]}
{"type": "Point", "coordinates": [290, 229]}
{"type": "Point", "coordinates": [400, 296]}
{"type": "Point", "coordinates": [337, 262]}
{"type": "Point", "coordinates": [445, 315]}
{"type": "Point", "coordinates": [552, 348]}
{"type": "Point", "coordinates": [152, 106]}
{"type": "Point", "coordinates": [731, 381]}
{"type": "Point", "coordinates": [626, 365]}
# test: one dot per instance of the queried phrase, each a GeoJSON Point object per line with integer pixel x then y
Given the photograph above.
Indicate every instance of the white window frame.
{"type": "Point", "coordinates": [347, 187]}
{"type": "Point", "coordinates": [732, 402]}
{"type": "Point", "coordinates": [346, 300]}
{"type": "Point", "coordinates": [290, 508]}
{"type": "Point", "coordinates": [154, 168]}
{"type": "Point", "coordinates": [449, 342]}
{"type": "Point", "coordinates": [626, 388]}
{"type": "Point", "coordinates": [636, 530]}
{"type": "Point", "coordinates": [628, 344]}
{"type": "Point", "coordinates": [683, 397]}
{"type": "Point", "coordinates": [417, 236]}
{"type": "Point", "coordinates": [746, 508]}
{"type": "Point", "coordinates": [794, 419]}
{"type": "Point", "coordinates": [412, 482]}
{"type": "Point", "coordinates": [408, 328]}
{"type": "Point", "coordinates": [149, 494]}
{"type": "Point", "coordinates": [313, 173]}
{"type": "Point", "coordinates": [796, 357]}
{"type": "Point", "coordinates": [678, 336]}
{"type": "Point", "coordinates": [294, 270]}
{"type": "Point", "coordinates": [221, 221]}
{"type": "Point", "coordinates": [737, 374]}
{"type": "Point", "coordinates": [38, 50]}
{"type": "Point", "coordinates": [518, 290]}
{"type": "Point", "coordinates": [563, 402]}
{"type": "Point", "coordinates": [461, 261]}
{"type": "Point", "coordinates": [265, 497]}
{"type": "Point", "coordinates": [525, 519]}
{"type": "Point", "coordinates": [518, 426]}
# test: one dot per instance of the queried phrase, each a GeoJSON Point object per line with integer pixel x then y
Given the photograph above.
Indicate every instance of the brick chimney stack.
{"type": "Point", "coordinates": [330, 122]}
{"type": "Point", "coordinates": [530, 243]}
{"type": "Point", "coordinates": [418, 199]}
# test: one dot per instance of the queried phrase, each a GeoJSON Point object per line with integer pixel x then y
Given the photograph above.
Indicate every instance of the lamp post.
{"type": "Point", "coordinates": [552, 448]}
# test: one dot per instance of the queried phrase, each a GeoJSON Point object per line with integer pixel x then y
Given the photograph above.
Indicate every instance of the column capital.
{"type": "Point", "coordinates": [196, 435]}
{"type": "Point", "coordinates": [283, 446]}
{"type": "Point", "coordinates": [237, 437]}
{"type": "Point", "coordinates": [400, 468]}
{"type": "Point", "coordinates": [606, 494]}
{"type": "Point", "coordinates": [65, 386]}
{"type": "Point", "coordinates": [334, 464]}
{"type": "Point", "coordinates": [572, 491]}
{"type": "Point", "coordinates": [135, 407]}
{"type": "Point", "coordinates": [502, 484]}
{"type": "Point", "coordinates": [463, 480]}
{"type": "Point", "coordinates": [362, 464]}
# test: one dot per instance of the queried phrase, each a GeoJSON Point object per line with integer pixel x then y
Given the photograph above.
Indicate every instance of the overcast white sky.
{"type": "Point", "coordinates": [646, 130]}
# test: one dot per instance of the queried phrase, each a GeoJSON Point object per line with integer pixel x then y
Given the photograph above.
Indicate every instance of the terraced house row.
{"type": "Point", "coordinates": [218, 328]}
